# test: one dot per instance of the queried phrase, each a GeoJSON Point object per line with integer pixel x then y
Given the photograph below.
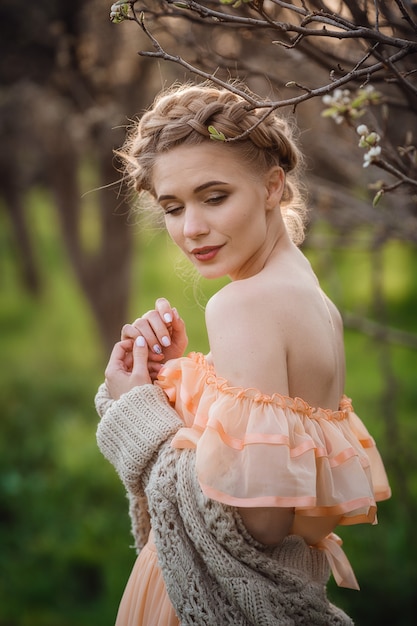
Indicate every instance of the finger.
{"type": "Point", "coordinates": [118, 357]}
{"type": "Point", "coordinates": [165, 310]}
{"type": "Point", "coordinates": [120, 349]}
{"type": "Point", "coordinates": [178, 330]}
{"type": "Point", "coordinates": [129, 331]}
{"type": "Point", "coordinates": [159, 328]}
{"type": "Point", "coordinates": [154, 369]}
{"type": "Point", "coordinates": [142, 326]}
{"type": "Point", "coordinates": [177, 322]}
{"type": "Point", "coordinates": [157, 358]}
{"type": "Point", "coordinates": [140, 374]}
{"type": "Point", "coordinates": [155, 337]}
{"type": "Point", "coordinates": [129, 361]}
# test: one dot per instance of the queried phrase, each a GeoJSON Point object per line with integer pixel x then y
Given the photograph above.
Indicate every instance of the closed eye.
{"type": "Point", "coordinates": [173, 210]}
{"type": "Point", "coordinates": [216, 199]}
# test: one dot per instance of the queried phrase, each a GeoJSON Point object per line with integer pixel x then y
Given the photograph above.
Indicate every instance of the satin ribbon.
{"type": "Point", "coordinates": [338, 561]}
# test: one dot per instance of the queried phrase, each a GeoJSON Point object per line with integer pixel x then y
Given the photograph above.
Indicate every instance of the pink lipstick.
{"type": "Point", "coordinates": [207, 253]}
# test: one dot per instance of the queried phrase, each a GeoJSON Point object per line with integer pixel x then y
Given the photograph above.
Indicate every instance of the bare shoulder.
{"type": "Point", "coordinates": [247, 339]}
{"type": "Point", "coordinates": [240, 295]}
{"type": "Point", "coordinates": [240, 306]}
{"type": "Point", "coordinates": [279, 335]}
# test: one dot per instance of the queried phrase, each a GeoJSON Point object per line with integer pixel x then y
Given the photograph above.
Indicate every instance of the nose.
{"type": "Point", "coordinates": [195, 223]}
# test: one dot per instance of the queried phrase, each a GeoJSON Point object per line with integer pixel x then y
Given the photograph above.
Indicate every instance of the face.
{"type": "Point", "coordinates": [222, 215]}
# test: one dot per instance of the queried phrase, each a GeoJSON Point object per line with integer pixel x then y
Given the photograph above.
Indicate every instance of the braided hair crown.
{"type": "Point", "coordinates": [183, 114]}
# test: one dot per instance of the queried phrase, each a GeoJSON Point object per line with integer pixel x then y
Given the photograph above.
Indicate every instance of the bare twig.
{"type": "Point", "coordinates": [387, 167]}
{"type": "Point", "coordinates": [161, 53]}
{"type": "Point", "coordinates": [380, 331]}
{"type": "Point", "coordinates": [406, 14]}
{"type": "Point", "coordinates": [377, 54]}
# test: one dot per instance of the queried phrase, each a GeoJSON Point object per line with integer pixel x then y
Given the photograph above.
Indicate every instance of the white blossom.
{"type": "Point", "coordinates": [370, 155]}
{"type": "Point", "coordinates": [362, 129]}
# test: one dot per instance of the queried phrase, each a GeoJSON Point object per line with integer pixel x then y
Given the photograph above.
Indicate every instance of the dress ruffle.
{"type": "Point", "coordinates": [257, 450]}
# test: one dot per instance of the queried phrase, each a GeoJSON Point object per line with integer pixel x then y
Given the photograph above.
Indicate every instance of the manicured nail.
{"type": "Point", "coordinates": [168, 318]}
{"type": "Point", "coordinates": [166, 341]}
{"type": "Point", "coordinates": [140, 341]}
{"type": "Point", "coordinates": [157, 349]}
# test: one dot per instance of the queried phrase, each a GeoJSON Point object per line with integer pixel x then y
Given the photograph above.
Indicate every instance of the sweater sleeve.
{"type": "Point", "coordinates": [133, 428]}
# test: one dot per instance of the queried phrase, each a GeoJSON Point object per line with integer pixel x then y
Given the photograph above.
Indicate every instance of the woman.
{"type": "Point", "coordinates": [224, 456]}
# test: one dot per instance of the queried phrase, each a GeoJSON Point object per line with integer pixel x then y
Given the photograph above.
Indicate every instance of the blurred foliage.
{"type": "Point", "coordinates": [64, 531]}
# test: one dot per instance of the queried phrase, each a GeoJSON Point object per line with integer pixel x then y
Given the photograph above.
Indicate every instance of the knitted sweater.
{"type": "Point", "coordinates": [214, 571]}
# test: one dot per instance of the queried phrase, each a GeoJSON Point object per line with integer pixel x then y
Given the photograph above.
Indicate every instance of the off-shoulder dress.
{"type": "Point", "coordinates": [257, 450]}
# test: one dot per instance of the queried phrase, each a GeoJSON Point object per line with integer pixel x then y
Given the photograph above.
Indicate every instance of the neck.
{"type": "Point", "coordinates": [277, 241]}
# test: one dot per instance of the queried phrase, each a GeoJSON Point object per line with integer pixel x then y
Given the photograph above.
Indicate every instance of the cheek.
{"type": "Point", "coordinates": [249, 222]}
{"type": "Point", "coordinates": [174, 231]}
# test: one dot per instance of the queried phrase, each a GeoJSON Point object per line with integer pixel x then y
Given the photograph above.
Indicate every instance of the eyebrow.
{"type": "Point", "coordinates": [210, 183]}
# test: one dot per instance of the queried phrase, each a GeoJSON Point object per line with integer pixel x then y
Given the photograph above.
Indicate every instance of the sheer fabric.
{"type": "Point", "coordinates": [255, 450]}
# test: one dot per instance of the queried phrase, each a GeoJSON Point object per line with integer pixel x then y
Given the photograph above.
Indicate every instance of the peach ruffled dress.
{"type": "Point", "coordinates": [261, 450]}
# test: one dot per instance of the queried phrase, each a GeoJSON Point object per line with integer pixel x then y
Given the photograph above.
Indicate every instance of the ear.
{"type": "Point", "coordinates": [274, 183]}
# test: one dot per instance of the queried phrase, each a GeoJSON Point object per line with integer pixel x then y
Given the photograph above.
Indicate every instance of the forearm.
{"type": "Point", "coordinates": [133, 428]}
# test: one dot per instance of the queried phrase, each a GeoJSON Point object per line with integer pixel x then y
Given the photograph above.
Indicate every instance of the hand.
{"type": "Point", "coordinates": [164, 333]}
{"type": "Point", "coordinates": [127, 367]}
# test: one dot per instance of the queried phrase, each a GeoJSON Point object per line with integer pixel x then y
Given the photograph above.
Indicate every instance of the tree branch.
{"type": "Point", "coordinates": [371, 27]}
{"type": "Point", "coordinates": [380, 331]}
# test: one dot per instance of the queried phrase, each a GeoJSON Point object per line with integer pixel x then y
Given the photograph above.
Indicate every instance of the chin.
{"type": "Point", "coordinates": [210, 273]}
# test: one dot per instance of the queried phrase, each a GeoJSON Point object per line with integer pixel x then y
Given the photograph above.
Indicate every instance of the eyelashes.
{"type": "Point", "coordinates": [213, 200]}
{"type": "Point", "coordinates": [216, 199]}
{"type": "Point", "coordinates": [173, 211]}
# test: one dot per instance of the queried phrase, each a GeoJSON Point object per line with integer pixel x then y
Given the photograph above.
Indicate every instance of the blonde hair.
{"type": "Point", "coordinates": [183, 114]}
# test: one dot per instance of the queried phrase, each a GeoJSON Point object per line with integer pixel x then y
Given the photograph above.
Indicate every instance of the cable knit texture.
{"type": "Point", "coordinates": [214, 571]}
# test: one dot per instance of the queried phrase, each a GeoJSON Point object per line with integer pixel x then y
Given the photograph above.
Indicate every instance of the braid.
{"type": "Point", "coordinates": [182, 116]}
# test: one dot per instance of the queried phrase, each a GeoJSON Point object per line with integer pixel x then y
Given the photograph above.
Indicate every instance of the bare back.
{"type": "Point", "coordinates": [278, 332]}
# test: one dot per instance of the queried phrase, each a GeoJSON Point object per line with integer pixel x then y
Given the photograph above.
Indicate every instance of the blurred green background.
{"type": "Point", "coordinates": [65, 544]}
{"type": "Point", "coordinates": [74, 266]}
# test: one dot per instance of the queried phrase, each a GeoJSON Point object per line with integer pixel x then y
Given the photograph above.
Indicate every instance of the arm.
{"type": "Point", "coordinates": [248, 349]}
{"type": "Point", "coordinates": [133, 428]}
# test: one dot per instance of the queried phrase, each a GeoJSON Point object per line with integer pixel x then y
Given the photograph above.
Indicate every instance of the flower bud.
{"type": "Point", "coordinates": [362, 129]}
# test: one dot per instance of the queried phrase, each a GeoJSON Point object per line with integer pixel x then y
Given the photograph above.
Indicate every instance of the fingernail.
{"type": "Point", "coordinates": [157, 349]}
{"type": "Point", "coordinates": [177, 316]}
{"type": "Point", "coordinates": [168, 318]}
{"type": "Point", "coordinates": [166, 341]}
{"type": "Point", "coordinates": [140, 341]}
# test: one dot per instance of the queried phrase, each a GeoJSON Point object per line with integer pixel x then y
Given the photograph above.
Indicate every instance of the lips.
{"type": "Point", "coordinates": [207, 253]}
